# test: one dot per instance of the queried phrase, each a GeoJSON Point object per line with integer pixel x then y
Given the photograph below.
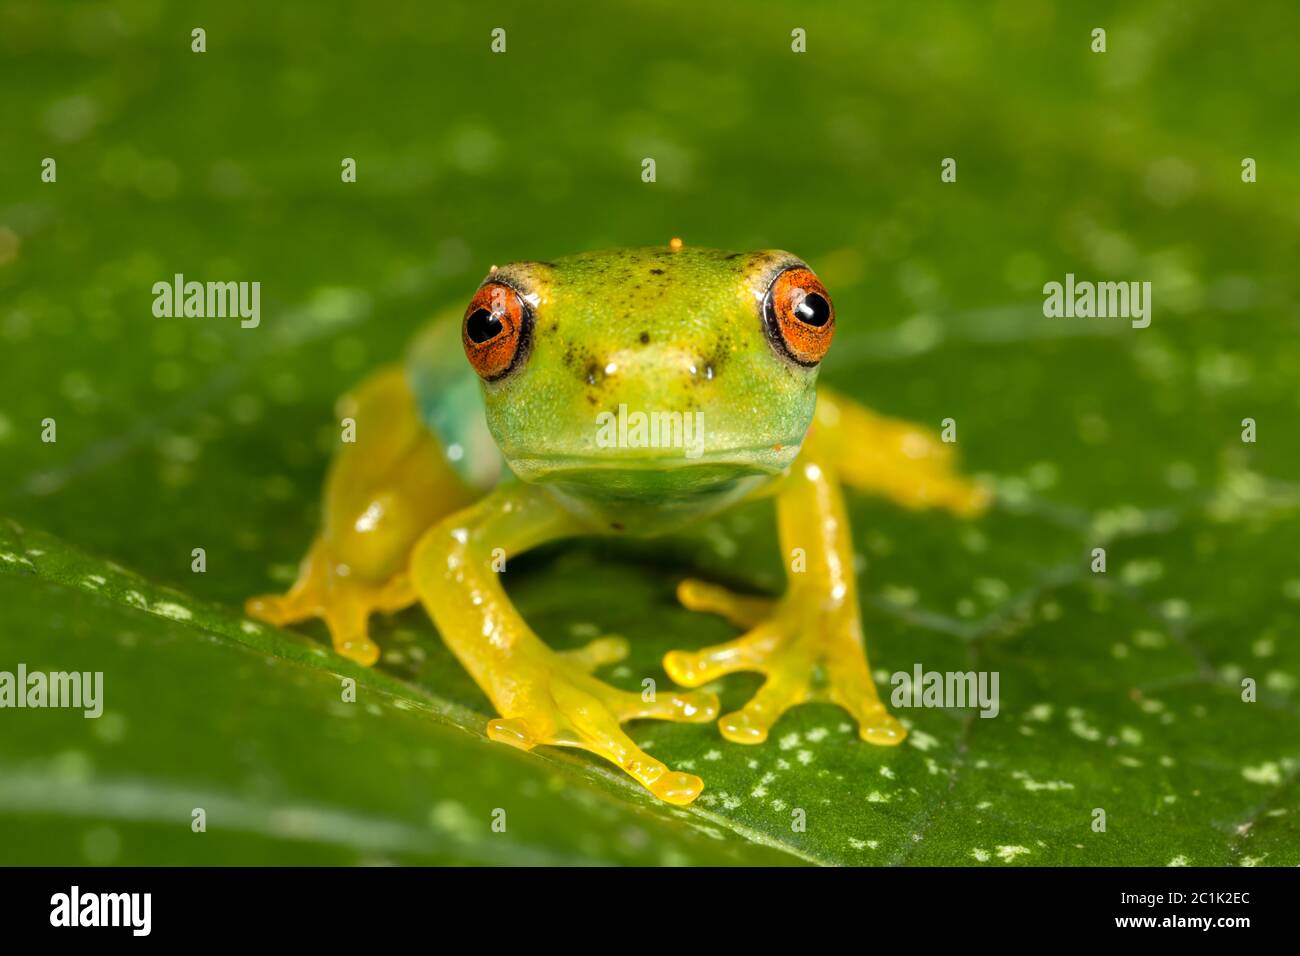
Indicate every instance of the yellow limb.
{"type": "Point", "coordinates": [887, 456]}
{"type": "Point", "coordinates": [383, 490]}
{"type": "Point", "coordinates": [543, 697]}
{"type": "Point", "coordinates": [808, 643]}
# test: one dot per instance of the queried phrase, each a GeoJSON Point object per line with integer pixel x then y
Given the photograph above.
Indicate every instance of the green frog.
{"type": "Point", "coordinates": [628, 392]}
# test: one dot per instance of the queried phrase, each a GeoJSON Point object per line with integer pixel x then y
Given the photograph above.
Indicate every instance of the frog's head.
{"type": "Point", "coordinates": [662, 372]}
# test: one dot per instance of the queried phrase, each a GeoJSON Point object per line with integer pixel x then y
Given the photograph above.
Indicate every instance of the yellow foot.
{"type": "Point", "coordinates": [808, 647]}
{"type": "Point", "coordinates": [327, 588]}
{"type": "Point", "coordinates": [554, 699]}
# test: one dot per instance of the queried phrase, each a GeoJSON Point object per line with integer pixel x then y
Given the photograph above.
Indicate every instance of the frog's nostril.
{"type": "Point", "coordinates": [596, 372]}
{"type": "Point", "coordinates": [701, 370]}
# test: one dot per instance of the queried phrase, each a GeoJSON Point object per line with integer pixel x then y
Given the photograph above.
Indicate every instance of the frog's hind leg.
{"type": "Point", "coordinates": [897, 459]}
{"type": "Point", "coordinates": [344, 602]}
{"type": "Point", "coordinates": [383, 490]}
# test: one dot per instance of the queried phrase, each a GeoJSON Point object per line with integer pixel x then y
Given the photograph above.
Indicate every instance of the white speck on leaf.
{"type": "Point", "coordinates": [1267, 773]}
{"type": "Point", "coordinates": [176, 612]}
{"type": "Point", "coordinates": [921, 740]}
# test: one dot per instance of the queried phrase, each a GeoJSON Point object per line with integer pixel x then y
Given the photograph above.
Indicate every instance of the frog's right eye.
{"type": "Point", "coordinates": [798, 316]}
{"type": "Point", "coordinates": [497, 330]}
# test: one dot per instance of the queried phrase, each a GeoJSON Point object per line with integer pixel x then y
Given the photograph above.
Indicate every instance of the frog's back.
{"type": "Point", "coordinates": [450, 402]}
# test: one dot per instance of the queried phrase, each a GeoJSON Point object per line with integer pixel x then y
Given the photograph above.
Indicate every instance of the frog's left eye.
{"type": "Point", "coordinates": [798, 316]}
{"type": "Point", "coordinates": [497, 330]}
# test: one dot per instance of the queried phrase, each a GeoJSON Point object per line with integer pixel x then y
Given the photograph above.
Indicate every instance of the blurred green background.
{"type": "Point", "coordinates": [1119, 691]}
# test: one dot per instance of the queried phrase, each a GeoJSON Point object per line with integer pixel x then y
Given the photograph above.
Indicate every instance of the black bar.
{"type": "Point", "coordinates": [334, 905]}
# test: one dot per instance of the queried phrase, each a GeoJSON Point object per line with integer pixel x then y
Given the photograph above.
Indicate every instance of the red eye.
{"type": "Point", "coordinates": [799, 317]}
{"type": "Point", "coordinates": [496, 331]}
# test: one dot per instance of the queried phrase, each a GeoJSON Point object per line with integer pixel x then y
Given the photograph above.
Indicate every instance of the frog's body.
{"type": "Point", "coordinates": [619, 393]}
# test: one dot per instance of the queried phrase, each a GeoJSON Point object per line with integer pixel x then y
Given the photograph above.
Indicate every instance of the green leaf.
{"type": "Point", "coordinates": [205, 711]}
{"type": "Point", "coordinates": [1119, 691]}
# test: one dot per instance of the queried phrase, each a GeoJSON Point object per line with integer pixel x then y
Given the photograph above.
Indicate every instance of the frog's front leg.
{"type": "Point", "coordinates": [809, 643]}
{"type": "Point", "coordinates": [543, 696]}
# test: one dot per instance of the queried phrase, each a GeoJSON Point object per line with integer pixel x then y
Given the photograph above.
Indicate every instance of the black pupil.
{"type": "Point", "coordinates": [813, 309]}
{"type": "Point", "coordinates": [482, 325]}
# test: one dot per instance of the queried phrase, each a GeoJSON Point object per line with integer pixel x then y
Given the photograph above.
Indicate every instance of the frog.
{"type": "Point", "coordinates": [521, 420]}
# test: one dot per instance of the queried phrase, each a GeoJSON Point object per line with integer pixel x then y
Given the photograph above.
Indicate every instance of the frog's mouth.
{"type": "Point", "coordinates": [651, 494]}
{"type": "Point", "coordinates": [636, 467]}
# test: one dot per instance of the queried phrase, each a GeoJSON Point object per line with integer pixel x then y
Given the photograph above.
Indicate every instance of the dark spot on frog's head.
{"type": "Point", "coordinates": [593, 374]}
{"type": "Point", "coordinates": [644, 338]}
{"type": "Point", "coordinates": [656, 272]}
{"type": "Point", "coordinates": [616, 525]}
